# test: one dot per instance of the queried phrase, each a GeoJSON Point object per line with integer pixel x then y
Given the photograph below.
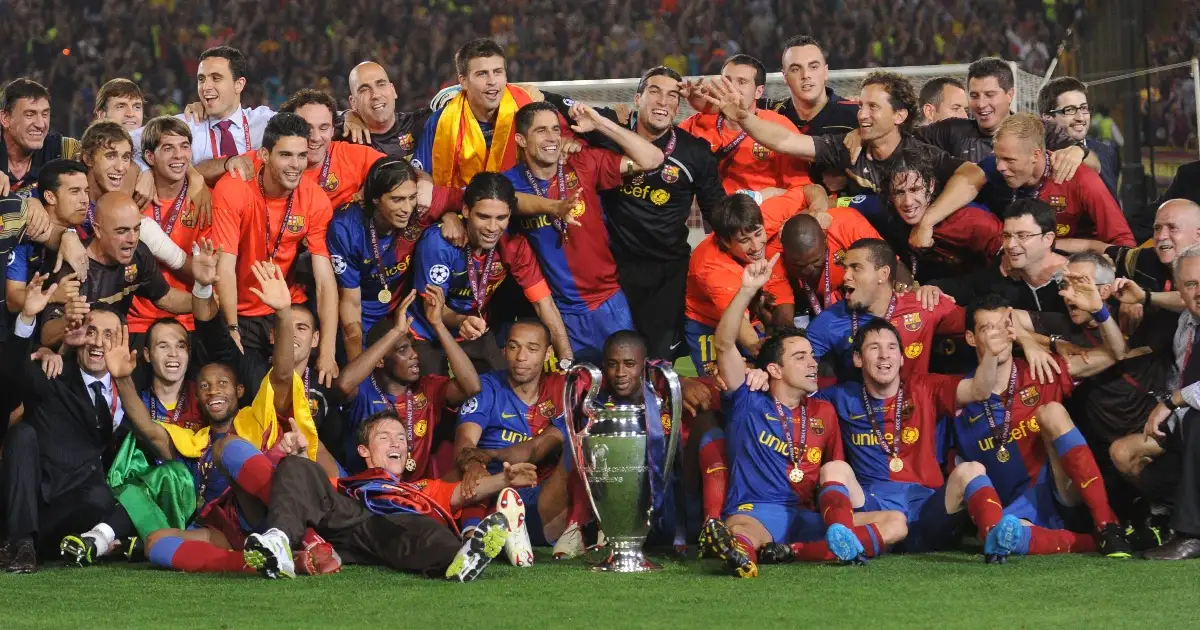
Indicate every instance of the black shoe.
{"type": "Point", "coordinates": [24, 558]}
{"type": "Point", "coordinates": [78, 551]}
{"type": "Point", "coordinates": [775, 553]}
{"type": "Point", "coordinates": [1112, 542]}
{"type": "Point", "coordinates": [705, 546]}
{"type": "Point", "coordinates": [717, 538]}
{"type": "Point", "coordinates": [1151, 532]}
{"type": "Point", "coordinates": [135, 549]}
{"type": "Point", "coordinates": [1182, 547]}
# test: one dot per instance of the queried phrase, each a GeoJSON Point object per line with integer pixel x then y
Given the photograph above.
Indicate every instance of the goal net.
{"type": "Point", "coordinates": [846, 83]}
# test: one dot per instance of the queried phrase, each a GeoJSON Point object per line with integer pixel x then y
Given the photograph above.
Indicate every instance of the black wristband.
{"type": "Point", "coordinates": [1146, 300]}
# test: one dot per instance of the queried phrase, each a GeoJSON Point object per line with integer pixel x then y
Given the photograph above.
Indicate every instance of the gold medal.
{"type": "Point", "coordinates": [896, 465]}
{"type": "Point", "coordinates": [797, 475]}
{"type": "Point", "coordinates": [410, 465]}
{"type": "Point", "coordinates": [1002, 455]}
{"type": "Point", "coordinates": [385, 296]}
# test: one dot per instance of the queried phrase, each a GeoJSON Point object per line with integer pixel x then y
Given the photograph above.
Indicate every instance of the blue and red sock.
{"type": "Point", "coordinates": [248, 468]}
{"type": "Point", "coordinates": [834, 503]}
{"type": "Point", "coordinates": [194, 556]}
{"type": "Point", "coordinates": [983, 504]}
{"type": "Point", "coordinates": [1079, 464]}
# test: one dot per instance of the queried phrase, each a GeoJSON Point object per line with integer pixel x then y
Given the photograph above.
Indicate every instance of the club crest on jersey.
{"type": "Point", "coordinates": [131, 272]}
{"type": "Point", "coordinates": [420, 428]}
{"type": "Point", "coordinates": [660, 197]}
{"type": "Point", "coordinates": [295, 224]}
{"type": "Point", "coordinates": [412, 233]}
{"type": "Point", "coordinates": [497, 268]}
{"type": "Point", "coordinates": [406, 142]}
{"type": "Point", "coordinates": [914, 349]}
{"type": "Point", "coordinates": [420, 401]}
{"type": "Point", "coordinates": [666, 423]}
{"type": "Point", "coordinates": [331, 183]}
{"type": "Point", "coordinates": [312, 405]}
{"type": "Point", "coordinates": [1058, 202]}
{"type": "Point", "coordinates": [572, 180]}
{"type": "Point", "coordinates": [1030, 396]}
{"type": "Point", "coordinates": [546, 408]}
{"type": "Point", "coordinates": [813, 455]}
{"type": "Point", "coordinates": [912, 322]}
{"type": "Point", "coordinates": [1062, 230]}
{"type": "Point", "coordinates": [710, 369]}
{"type": "Point", "coordinates": [839, 256]}
{"type": "Point", "coordinates": [760, 152]}
{"type": "Point", "coordinates": [818, 426]}
{"type": "Point", "coordinates": [909, 435]}
{"type": "Point", "coordinates": [907, 411]}
{"type": "Point", "coordinates": [670, 174]}
{"type": "Point", "coordinates": [421, 484]}
{"type": "Point", "coordinates": [188, 219]}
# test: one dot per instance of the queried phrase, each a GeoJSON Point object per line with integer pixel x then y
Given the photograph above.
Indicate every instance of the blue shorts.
{"type": "Point", "coordinates": [700, 346]}
{"type": "Point", "coordinates": [929, 526]}
{"type": "Point", "coordinates": [785, 523]}
{"type": "Point", "coordinates": [588, 331]}
{"type": "Point", "coordinates": [1041, 505]}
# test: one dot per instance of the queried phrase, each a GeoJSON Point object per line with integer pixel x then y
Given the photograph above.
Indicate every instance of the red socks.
{"type": "Point", "coordinates": [983, 504]}
{"type": "Point", "coordinates": [1079, 464]}
{"type": "Point", "coordinates": [818, 550]}
{"type": "Point", "coordinates": [746, 546]}
{"type": "Point", "coordinates": [249, 468]}
{"type": "Point", "coordinates": [713, 473]}
{"type": "Point", "coordinates": [1044, 541]}
{"type": "Point", "coordinates": [834, 503]}
{"type": "Point", "coordinates": [580, 511]}
{"type": "Point", "coordinates": [193, 556]}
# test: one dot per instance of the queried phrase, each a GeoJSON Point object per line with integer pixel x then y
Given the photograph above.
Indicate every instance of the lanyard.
{"type": "Point", "coordinates": [891, 309]}
{"type": "Point", "coordinates": [478, 280]}
{"type": "Point", "coordinates": [892, 450]}
{"type": "Point", "coordinates": [1037, 192]}
{"type": "Point", "coordinates": [729, 147]}
{"type": "Point", "coordinates": [812, 299]}
{"type": "Point", "coordinates": [1002, 438]}
{"type": "Point", "coordinates": [384, 279]}
{"type": "Point", "coordinates": [559, 224]}
{"type": "Point", "coordinates": [410, 464]}
{"type": "Point", "coordinates": [323, 178]}
{"type": "Point", "coordinates": [175, 208]}
{"type": "Point", "coordinates": [212, 135]}
{"type": "Point", "coordinates": [667, 151]}
{"type": "Point", "coordinates": [788, 424]}
{"type": "Point", "coordinates": [287, 214]}
{"type": "Point", "coordinates": [173, 416]}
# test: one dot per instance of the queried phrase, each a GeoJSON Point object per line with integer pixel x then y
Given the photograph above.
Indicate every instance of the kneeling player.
{"type": "Point", "coordinates": [1030, 446]}
{"type": "Point", "coordinates": [375, 518]}
{"type": "Point", "coordinates": [777, 442]}
{"type": "Point", "coordinates": [895, 458]}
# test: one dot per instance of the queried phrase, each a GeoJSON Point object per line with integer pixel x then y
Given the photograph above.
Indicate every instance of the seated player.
{"type": "Point", "coordinates": [371, 244]}
{"type": "Point", "coordinates": [896, 459]}
{"type": "Point", "coordinates": [232, 476]}
{"type": "Point", "coordinates": [468, 277]}
{"type": "Point", "coordinates": [578, 263]}
{"type": "Point", "coordinates": [1032, 450]}
{"type": "Point", "coordinates": [1021, 168]}
{"type": "Point", "coordinates": [388, 376]}
{"type": "Point", "coordinates": [965, 241]}
{"type": "Point", "coordinates": [746, 165]}
{"type": "Point", "coordinates": [813, 257]}
{"type": "Point", "coordinates": [375, 518]}
{"type": "Point", "coordinates": [739, 238]}
{"type": "Point", "coordinates": [868, 294]}
{"type": "Point", "coordinates": [769, 500]}
{"type": "Point", "coordinates": [171, 396]}
{"type": "Point", "coordinates": [502, 423]}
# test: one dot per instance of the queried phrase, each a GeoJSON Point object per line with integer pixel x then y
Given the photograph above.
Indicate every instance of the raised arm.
{"type": "Point", "coordinates": [466, 379]}
{"type": "Point", "coordinates": [273, 291]}
{"type": "Point", "coordinates": [960, 190]}
{"type": "Point", "coordinates": [729, 361]}
{"type": "Point", "coordinates": [979, 387]}
{"type": "Point", "coordinates": [327, 311]}
{"type": "Point", "coordinates": [640, 153]}
{"type": "Point", "coordinates": [360, 368]}
{"type": "Point", "coordinates": [548, 313]}
{"type": "Point", "coordinates": [721, 94]}
{"type": "Point", "coordinates": [120, 361]}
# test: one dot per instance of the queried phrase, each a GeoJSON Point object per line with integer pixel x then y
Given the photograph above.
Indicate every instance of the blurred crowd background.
{"type": "Point", "coordinates": [294, 44]}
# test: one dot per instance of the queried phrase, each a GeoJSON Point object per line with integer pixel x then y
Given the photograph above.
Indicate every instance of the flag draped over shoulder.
{"type": "Point", "coordinates": [459, 148]}
{"type": "Point", "coordinates": [384, 494]}
{"type": "Point", "coordinates": [258, 424]}
{"type": "Point", "coordinates": [156, 497]}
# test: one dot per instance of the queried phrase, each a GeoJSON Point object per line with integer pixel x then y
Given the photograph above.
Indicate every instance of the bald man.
{"type": "Point", "coordinates": [373, 100]}
{"type": "Point", "coordinates": [119, 267]}
{"type": "Point", "coordinates": [812, 256]}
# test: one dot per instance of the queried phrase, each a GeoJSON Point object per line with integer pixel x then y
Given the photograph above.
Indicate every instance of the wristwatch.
{"type": "Point", "coordinates": [1169, 403]}
{"type": "Point", "coordinates": [566, 363]}
{"type": "Point", "coordinates": [232, 327]}
{"type": "Point", "coordinates": [1054, 343]}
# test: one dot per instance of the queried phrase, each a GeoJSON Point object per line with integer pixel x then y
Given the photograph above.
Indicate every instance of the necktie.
{"type": "Point", "coordinates": [104, 419]}
{"type": "Point", "coordinates": [228, 148]}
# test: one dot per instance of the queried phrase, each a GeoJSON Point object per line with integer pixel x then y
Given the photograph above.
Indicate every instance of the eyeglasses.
{"type": "Point", "coordinates": [1071, 110]}
{"type": "Point", "coordinates": [1020, 237]}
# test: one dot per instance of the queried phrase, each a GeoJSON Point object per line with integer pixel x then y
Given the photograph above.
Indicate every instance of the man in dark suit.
{"type": "Point", "coordinates": [55, 461]}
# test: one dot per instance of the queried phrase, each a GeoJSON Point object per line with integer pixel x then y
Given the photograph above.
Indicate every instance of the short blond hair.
{"type": "Point", "coordinates": [1024, 126]}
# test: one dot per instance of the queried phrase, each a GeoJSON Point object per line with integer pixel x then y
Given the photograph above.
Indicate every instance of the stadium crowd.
{"type": "Point", "coordinates": [309, 44]}
{"type": "Point", "coordinates": [248, 339]}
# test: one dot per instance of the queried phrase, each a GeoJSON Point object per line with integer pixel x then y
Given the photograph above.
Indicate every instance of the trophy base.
{"type": "Point", "coordinates": [626, 562]}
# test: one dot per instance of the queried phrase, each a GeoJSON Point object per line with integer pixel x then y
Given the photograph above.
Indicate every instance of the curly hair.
{"type": "Point", "coordinates": [901, 95]}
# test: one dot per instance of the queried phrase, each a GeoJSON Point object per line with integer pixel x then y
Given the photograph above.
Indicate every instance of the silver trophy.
{"type": "Point", "coordinates": [610, 447]}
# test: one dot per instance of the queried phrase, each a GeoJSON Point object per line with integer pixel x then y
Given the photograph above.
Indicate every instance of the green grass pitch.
{"type": "Point", "coordinates": [944, 590]}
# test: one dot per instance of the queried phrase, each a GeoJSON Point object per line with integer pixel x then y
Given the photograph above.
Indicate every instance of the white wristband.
{"type": "Point", "coordinates": [202, 291]}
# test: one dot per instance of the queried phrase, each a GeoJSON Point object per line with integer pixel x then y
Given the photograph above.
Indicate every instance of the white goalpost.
{"type": "Point", "coordinates": [846, 83]}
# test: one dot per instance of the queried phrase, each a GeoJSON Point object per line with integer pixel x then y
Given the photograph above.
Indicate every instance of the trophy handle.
{"type": "Point", "coordinates": [574, 436]}
{"type": "Point", "coordinates": [676, 401]}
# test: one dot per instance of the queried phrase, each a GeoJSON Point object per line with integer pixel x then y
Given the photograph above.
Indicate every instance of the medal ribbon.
{"type": "Point", "coordinates": [667, 151]}
{"type": "Point", "coordinates": [1002, 438]}
{"type": "Point", "coordinates": [175, 208]}
{"type": "Point", "coordinates": [408, 415]}
{"type": "Point", "coordinates": [477, 280]}
{"type": "Point", "coordinates": [1037, 192]}
{"type": "Point", "coordinates": [324, 176]}
{"type": "Point", "coordinates": [173, 416]}
{"type": "Point", "coordinates": [384, 279]}
{"type": "Point", "coordinates": [893, 449]}
{"type": "Point", "coordinates": [891, 309]}
{"type": "Point", "coordinates": [788, 424]}
{"type": "Point", "coordinates": [559, 224]}
{"type": "Point", "coordinates": [813, 303]}
{"type": "Point", "coordinates": [730, 146]}
{"type": "Point", "coordinates": [287, 214]}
